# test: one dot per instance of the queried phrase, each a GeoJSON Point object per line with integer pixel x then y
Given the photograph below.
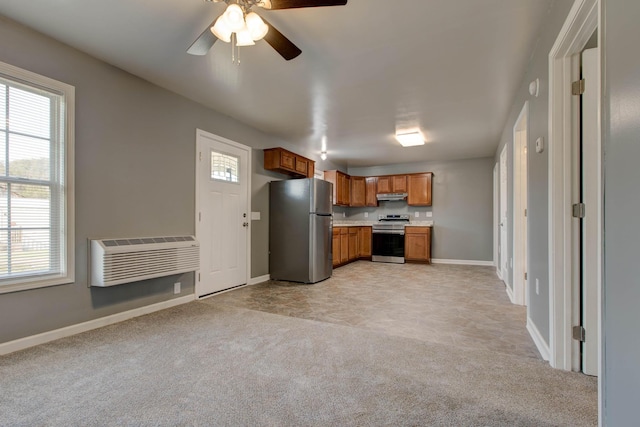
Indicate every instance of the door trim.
{"type": "Point", "coordinates": [519, 222]}
{"type": "Point", "coordinates": [204, 134]}
{"type": "Point", "coordinates": [584, 18]}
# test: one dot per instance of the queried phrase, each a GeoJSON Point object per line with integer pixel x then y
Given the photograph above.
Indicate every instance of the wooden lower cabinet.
{"type": "Point", "coordinates": [336, 246]}
{"type": "Point", "coordinates": [344, 245]}
{"type": "Point", "coordinates": [351, 244]}
{"type": "Point", "coordinates": [417, 244]}
{"type": "Point", "coordinates": [364, 239]}
{"type": "Point", "coordinates": [354, 252]}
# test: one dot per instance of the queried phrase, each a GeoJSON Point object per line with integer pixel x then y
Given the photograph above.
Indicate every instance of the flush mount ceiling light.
{"type": "Point", "coordinates": [323, 155]}
{"type": "Point", "coordinates": [410, 139]}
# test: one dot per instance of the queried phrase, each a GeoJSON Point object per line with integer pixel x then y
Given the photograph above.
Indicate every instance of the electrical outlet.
{"type": "Point", "coordinates": [429, 214]}
{"type": "Point", "coordinates": [176, 287]}
{"type": "Point", "coordinates": [344, 215]}
{"type": "Point", "coordinates": [417, 214]}
{"type": "Point", "coordinates": [366, 214]}
{"type": "Point", "coordinates": [537, 287]}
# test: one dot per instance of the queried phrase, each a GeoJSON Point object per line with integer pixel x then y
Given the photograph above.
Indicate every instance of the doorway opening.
{"type": "Point", "coordinates": [503, 270]}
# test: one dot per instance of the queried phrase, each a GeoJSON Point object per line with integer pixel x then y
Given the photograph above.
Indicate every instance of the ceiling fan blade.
{"type": "Point", "coordinates": [280, 43]}
{"type": "Point", "coordinates": [203, 43]}
{"type": "Point", "coordinates": [293, 4]}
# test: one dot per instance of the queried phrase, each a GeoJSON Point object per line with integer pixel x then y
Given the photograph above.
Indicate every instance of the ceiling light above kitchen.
{"type": "Point", "coordinates": [410, 139]}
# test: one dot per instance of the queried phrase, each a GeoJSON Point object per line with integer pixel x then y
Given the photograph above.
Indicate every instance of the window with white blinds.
{"type": "Point", "coordinates": [36, 206]}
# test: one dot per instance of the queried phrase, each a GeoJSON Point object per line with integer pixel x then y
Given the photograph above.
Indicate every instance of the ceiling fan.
{"type": "Point", "coordinates": [242, 27]}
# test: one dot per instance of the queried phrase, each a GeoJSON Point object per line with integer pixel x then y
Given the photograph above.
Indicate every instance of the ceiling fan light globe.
{"type": "Point", "coordinates": [234, 17]}
{"type": "Point", "coordinates": [221, 30]}
{"type": "Point", "coordinates": [256, 26]}
{"type": "Point", "coordinates": [243, 38]}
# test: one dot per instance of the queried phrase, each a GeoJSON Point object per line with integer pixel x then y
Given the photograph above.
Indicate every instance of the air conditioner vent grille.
{"type": "Point", "coordinates": [118, 261]}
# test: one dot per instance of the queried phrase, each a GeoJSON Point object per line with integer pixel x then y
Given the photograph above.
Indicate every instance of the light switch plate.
{"type": "Point", "coordinates": [255, 216]}
{"type": "Point", "coordinates": [366, 214]}
{"type": "Point", "coordinates": [540, 145]}
{"type": "Point", "coordinates": [429, 214]}
{"type": "Point", "coordinates": [417, 214]}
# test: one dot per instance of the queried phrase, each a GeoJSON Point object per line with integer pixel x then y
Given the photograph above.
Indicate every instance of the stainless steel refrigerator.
{"type": "Point", "coordinates": [300, 230]}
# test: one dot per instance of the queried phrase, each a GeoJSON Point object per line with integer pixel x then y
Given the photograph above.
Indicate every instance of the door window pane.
{"type": "Point", "coordinates": [224, 167]}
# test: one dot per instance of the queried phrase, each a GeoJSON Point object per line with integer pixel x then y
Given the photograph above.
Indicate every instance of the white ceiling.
{"type": "Point", "coordinates": [449, 67]}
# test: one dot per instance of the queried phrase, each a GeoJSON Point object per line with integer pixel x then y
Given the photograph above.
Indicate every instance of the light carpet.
{"type": "Point", "coordinates": [201, 364]}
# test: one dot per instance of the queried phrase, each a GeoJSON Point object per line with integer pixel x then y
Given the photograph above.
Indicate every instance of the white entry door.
{"type": "Point", "coordinates": [222, 212]}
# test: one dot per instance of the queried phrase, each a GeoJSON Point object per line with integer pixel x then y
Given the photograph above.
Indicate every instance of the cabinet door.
{"type": "Point", "coordinates": [385, 185]}
{"type": "Point", "coordinates": [287, 160]}
{"type": "Point", "coordinates": [335, 242]}
{"type": "Point", "coordinates": [417, 244]}
{"type": "Point", "coordinates": [399, 184]}
{"type": "Point", "coordinates": [344, 245]}
{"type": "Point", "coordinates": [354, 252]}
{"type": "Point", "coordinates": [358, 190]}
{"type": "Point", "coordinates": [364, 242]}
{"type": "Point", "coordinates": [302, 166]}
{"type": "Point", "coordinates": [344, 189]}
{"type": "Point", "coordinates": [371, 190]}
{"type": "Point", "coordinates": [419, 189]}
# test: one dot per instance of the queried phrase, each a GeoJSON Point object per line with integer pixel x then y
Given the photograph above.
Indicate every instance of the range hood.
{"type": "Point", "coordinates": [392, 196]}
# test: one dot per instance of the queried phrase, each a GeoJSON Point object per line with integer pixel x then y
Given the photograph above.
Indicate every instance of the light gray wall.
{"type": "Point", "coordinates": [134, 174]}
{"type": "Point", "coordinates": [462, 206]}
{"type": "Point", "coordinates": [621, 143]}
{"type": "Point", "coordinates": [538, 256]}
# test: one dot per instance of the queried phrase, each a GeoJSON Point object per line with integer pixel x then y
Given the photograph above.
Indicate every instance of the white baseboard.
{"type": "Point", "coordinates": [462, 262]}
{"type": "Point", "coordinates": [45, 337]}
{"type": "Point", "coordinates": [542, 346]}
{"type": "Point", "coordinates": [259, 279]}
{"type": "Point", "coordinates": [499, 273]}
{"type": "Point", "coordinates": [510, 294]}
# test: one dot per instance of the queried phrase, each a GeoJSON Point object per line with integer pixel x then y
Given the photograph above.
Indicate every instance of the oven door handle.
{"type": "Point", "coordinates": [400, 233]}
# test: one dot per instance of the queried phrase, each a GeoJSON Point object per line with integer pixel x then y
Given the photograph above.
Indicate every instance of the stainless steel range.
{"type": "Point", "coordinates": [388, 238]}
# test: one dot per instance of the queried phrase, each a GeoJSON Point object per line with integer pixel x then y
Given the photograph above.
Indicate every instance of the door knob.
{"type": "Point", "coordinates": [245, 224]}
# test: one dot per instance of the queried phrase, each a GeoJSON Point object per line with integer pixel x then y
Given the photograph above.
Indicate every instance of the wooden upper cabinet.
{"type": "Point", "coordinates": [284, 161]}
{"type": "Point", "coordinates": [371, 189]}
{"type": "Point", "coordinates": [358, 191]}
{"type": "Point", "coordinates": [385, 185]}
{"type": "Point", "coordinates": [399, 183]}
{"type": "Point", "coordinates": [392, 184]}
{"type": "Point", "coordinates": [419, 189]}
{"type": "Point", "coordinates": [341, 187]}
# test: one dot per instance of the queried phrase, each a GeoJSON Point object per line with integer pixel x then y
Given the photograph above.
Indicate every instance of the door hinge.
{"type": "Point", "coordinates": [525, 212]}
{"type": "Point", "coordinates": [525, 275]}
{"type": "Point", "coordinates": [579, 333]}
{"type": "Point", "coordinates": [199, 216]}
{"type": "Point", "coordinates": [579, 210]}
{"type": "Point", "coordinates": [198, 277]}
{"type": "Point", "coordinates": [200, 155]}
{"type": "Point", "coordinates": [577, 88]}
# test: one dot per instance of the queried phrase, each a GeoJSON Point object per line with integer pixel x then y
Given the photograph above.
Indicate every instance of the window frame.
{"type": "Point", "coordinates": [67, 273]}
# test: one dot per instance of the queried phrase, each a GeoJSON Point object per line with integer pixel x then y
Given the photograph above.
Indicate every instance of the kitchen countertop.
{"type": "Point", "coordinates": [370, 223]}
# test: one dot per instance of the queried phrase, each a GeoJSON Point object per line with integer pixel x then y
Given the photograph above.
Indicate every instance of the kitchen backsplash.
{"type": "Point", "coordinates": [384, 208]}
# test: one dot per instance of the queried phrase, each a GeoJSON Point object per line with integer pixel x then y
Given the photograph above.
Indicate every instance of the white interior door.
{"type": "Point", "coordinates": [222, 209]}
{"type": "Point", "coordinates": [519, 252]}
{"type": "Point", "coordinates": [591, 223]}
{"type": "Point", "coordinates": [524, 189]}
{"type": "Point", "coordinates": [503, 215]}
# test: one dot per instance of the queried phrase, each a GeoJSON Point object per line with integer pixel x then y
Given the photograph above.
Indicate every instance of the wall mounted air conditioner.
{"type": "Point", "coordinates": [117, 261]}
